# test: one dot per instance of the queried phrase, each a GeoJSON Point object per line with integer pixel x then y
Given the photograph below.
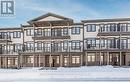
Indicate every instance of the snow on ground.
{"type": "Point", "coordinates": [74, 74]}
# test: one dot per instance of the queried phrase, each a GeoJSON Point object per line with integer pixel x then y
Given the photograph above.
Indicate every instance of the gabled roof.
{"type": "Point", "coordinates": [50, 14]}
{"type": "Point", "coordinates": [106, 20]}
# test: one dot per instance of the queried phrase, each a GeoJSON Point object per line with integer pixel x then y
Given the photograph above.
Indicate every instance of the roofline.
{"type": "Point", "coordinates": [78, 23]}
{"type": "Point", "coordinates": [26, 25]}
{"type": "Point", "coordinates": [14, 28]}
{"type": "Point", "coordinates": [37, 18]}
{"type": "Point", "coordinates": [105, 20]}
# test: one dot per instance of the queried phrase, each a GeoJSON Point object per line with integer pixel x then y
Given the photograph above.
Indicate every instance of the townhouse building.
{"type": "Point", "coordinates": [55, 41]}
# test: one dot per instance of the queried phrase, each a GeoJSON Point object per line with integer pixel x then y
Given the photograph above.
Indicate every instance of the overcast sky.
{"type": "Point", "coordinates": [75, 9]}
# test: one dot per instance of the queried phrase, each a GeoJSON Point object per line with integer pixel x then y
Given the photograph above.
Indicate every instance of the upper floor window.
{"type": "Point", "coordinates": [123, 27]}
{"type": "Point", "coordinates": [91, 28]}
{"type": "Point", "coordinates": [65, 31]}
{"type": "Point", "coordinates": [65, 45]}
{"type": "Point", "coordinates": [75, 30]}
{"type": "Point", "coordinates": [29, 32]}
{"type": "Point", "coordinates": [18, 47]}
{"type": "Point", "coordinates": [17, 34]}
{"type": "Point", "coordinates": [91, 42]}
{"type": "Point", "coordinates": [75, 45]}
{"type": "Point", "coordinates": [47, 32]}
{"type": "Point", "coordinates": [56, 32]}
{"type": "Point", "coordinates": [39, 31]}
{"type": "Point", "coordinates": [29, 46]}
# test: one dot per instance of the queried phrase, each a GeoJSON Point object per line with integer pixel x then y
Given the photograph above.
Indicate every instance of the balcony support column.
{"type": "Point", "coordinates": [120, 49]}
{"type": "Point", "coordinates": [6, 62]}
{"type": "Point", "coordinates": [39, 60]}
{"type": "Point", "coordinates": [86, 58]}
{"type": "Point", "coordinates": [107, 58]}
{"type": "Point", "coordinates": [21, 60]}
{"type": "Point", "coordinates": [100, 58]}
{"type": "Point", "coordinates": [81, 58]}
{"type": "Point", "coordinates": [33, 60]}
{"type": "Point", "coordinates": [61, 60]}
{"type": "Point", "coordinates": [50, 61]}
{"type": "Point", "coordinates": [6, 47]}
{"type": "Point", "coordinates": [120, 59]}
{"type": "Point", "coordinates": [33, 44]}
{"type": "Point", "coordinates": [0, 62]}
{"type": "Point", "coordinates": [100, 51]}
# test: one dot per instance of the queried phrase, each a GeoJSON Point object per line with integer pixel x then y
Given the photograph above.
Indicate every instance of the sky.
{"type": "Point", "coordinates": [78, 10]}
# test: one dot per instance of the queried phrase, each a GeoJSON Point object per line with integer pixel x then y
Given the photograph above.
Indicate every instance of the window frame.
{"type": "Point", "coordinates": [64, 45]}
{"type": "Point", "coordinates": [92, 40]}
{"type": "Point", "coordinates": [16, 34]}
{"type": "Point", "coordinates": [29, 32]}
{"type": "Point", "coordinates": [91, 27]}
{"type": "Point", "coordinates": [65, 31]}
{"type": "Point", "coordinates": [74, 45]}
{"type": "Point", "coordinates": [75, 30]}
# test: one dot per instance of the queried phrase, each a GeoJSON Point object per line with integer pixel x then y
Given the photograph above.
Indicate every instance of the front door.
{"type": "Point", "coordinates": [52, 61]}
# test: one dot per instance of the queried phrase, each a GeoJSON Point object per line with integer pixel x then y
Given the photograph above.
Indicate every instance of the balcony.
{"type": "Point", "coordinates": [51, 36]}
{"type": "Point", "coordinates": [5, 38]}
{"type": "Point", "coordinates": [114, 29]}
{"type": "Point", "coordinates": [53, 50]}
{"type": "Point", "coordinates": [113, 33]}
{"type": "Point", "coordinates": [108, 47]}
{"type": "Point", "coordinates": [8, 52]}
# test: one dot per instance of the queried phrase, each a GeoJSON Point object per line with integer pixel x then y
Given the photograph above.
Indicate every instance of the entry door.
{"type": "Point", "coordinates": [114, 59]}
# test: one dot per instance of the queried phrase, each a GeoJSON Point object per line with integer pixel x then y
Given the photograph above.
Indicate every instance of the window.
{"type": "Point", "coordinates": [91, 57]}
{"type": "Point", "coordinates": [56, 32]}
{"type": "Point", "coordinates": [102, 28]}
{"type": "Point", "coordinates": [91, 28]}
{"type": "Point", "coordinates": [112, 27]}
{"type": "Point", "coordinates": [30, 59]}
{"type": "Point", "coordinates": [75, 59]}
{"type": "Point", "coordinates": [29, 45]}
{"type": "Point", "coordinates": [16, 61]}
{"type": "Point", "coordinates": [57, 59]}
{"type": "Point", "coordinates": [65, 31]}
{"type": "Point", "coordinates": [102, 43]}
{"type": "Point", "coordinates": [123, 27]}
{"type": "Point", "coordinates": [47, 47]}
{"type": "Point", "coordinates": [29, 32]}
{"type": "Point", "coordinates": [5, 35]}
{"type": "Point", "coordinates": [39, 46]}
{"type": "Point", "coordinates": [17, 34]}
{"type": "Point", "coordinates": [39, 31]}
{"type": "Point", "coordinates": [128, 27]}
{"type": "Point", "coordinates": [9, 61]}
{"type": "Point", "coordinates": [75, 45]}
{"type": "Point", "coordinates": [65, 45]}
{"type": "Point", "coordinates": [66, 60]}
{"type": "Point", "coordinates": [75, 30]}
{"type": "Point", "coordinates": [18, 47]}
{"type": "Point", "coordinates": [91, 42]}
{"type": "Point", "coordinates": [47, 32]}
